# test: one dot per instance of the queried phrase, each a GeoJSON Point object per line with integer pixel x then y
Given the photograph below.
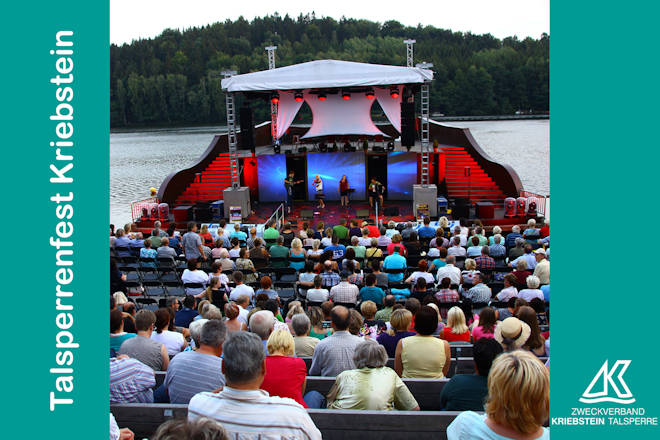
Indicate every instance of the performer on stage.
{"type": "Point", "coordinates": [289, 181]}
{"type": "Point", "coordinates": [318, 184]}
{"type": "Point", "coordinates": [343, 190]}
{"type": "Point", "coordinates": [375, 192]}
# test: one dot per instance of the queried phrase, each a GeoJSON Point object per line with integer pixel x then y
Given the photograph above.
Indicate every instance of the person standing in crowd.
{"type": "Point", "coordinates": [192, 243]}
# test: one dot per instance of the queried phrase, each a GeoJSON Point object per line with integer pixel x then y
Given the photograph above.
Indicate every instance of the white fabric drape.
{"type": "Point", "coordinates": [287, 109]}
{"type": "Point", "coordinates": [336, 116]}
{"type": "Point", "coordinates": [391, 106]}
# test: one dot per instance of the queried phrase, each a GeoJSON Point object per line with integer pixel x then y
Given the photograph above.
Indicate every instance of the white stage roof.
{"type": "Point", "coordinates": [324, 74]}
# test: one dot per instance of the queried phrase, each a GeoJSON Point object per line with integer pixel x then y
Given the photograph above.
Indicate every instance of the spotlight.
{"type": "Point", "coordinates": [394, 92]}
{"type": "Point", "coordinates": [390, 146]}
{"type": "Point", "coordinates": [277, 149]}
{"type": "Point", "coordinates": [323, 147]}
{"type": "Point", "coordinates": [345, 96]}
{"type": "Point", "coordinates": [370, 94]}
{"type": "Point", "coordinates": [275, 98]}
{"type": "Point", "coordinates": [321, 96]}
{"type": "Point", "coordinates": [298, 96]}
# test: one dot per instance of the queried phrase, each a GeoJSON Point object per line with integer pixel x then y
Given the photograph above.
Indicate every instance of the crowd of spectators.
{"type": "Point", "coordinates": [365, 298]}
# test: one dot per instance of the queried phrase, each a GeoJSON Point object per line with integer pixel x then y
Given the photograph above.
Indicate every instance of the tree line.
{"type": "Point", "coordinates": [175, 77]}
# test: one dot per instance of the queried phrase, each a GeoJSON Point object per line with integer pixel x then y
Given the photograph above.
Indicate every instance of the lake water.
{"type": "Point", "coordinates": [142, 159]}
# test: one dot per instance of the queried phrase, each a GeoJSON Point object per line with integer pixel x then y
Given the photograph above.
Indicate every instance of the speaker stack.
{"type": "Point", "coordinates": [461, 208]}
{"type": "Point", "coordinates": [246, 139]}
{"type": "Point", "coordinates": [408, 124]}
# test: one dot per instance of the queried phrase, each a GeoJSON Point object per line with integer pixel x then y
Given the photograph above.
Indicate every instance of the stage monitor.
{"type": "Point", "coordinates": [271, 172]}
{"type": "Point", "coordinates": [330, 167]}
{"type": "Point", "coordinates": [401, 175]}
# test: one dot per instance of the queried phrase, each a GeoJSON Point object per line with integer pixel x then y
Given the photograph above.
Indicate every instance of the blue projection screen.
{"type": "Point", "coordinates": [271, 170]}
{"type": "Point", "coordinates": [401, 175]}
{"type": "Point", "coordinates": [330, 167]}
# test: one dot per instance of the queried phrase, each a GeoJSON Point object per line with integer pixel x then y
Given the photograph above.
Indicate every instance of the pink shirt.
{"type": "Point", "coordinates": [478, 333]}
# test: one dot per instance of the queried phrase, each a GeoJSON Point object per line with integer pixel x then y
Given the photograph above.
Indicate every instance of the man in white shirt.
{"type": "Point", "coordinates": [456, 249]}
{"type": "Point", "coordinates": [240, 289]}
{"type": "Point", "coordinates": [236, 406]}
{"type": "Point", "coordinates": [542, 269]}
{"type": "Point", "coordinates": [243, 301]}
{"type": "Point", "coordinates": [449, 271]}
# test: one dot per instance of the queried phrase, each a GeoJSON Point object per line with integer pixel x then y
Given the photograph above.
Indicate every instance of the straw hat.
{"type": "Point", "coordinates": [513, 332]}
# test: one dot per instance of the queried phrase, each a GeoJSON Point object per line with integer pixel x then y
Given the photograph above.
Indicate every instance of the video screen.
{"type": "Point", "coordinates": [331, 167]}
{"type": "Point", "coordinates": [401, 175]}
{"type": "Point", "coordinates": [271, 172]}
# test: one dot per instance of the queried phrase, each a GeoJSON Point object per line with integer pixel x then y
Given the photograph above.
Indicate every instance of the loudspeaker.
{"type": "Point", "coordinates": [306, 213]}
{"type": "Point", "coordinates": [203, 213]}
{"type": "Point", "coordinates": [247, 129]}
{"type": "Point", "coordinates": [461, 208]}
{"type": "Point", "coordinates": [391, 211]}
{"type": "Point", "coordinates": [407, 124]}
{"type": "Point", "coordinates": [362, 213]}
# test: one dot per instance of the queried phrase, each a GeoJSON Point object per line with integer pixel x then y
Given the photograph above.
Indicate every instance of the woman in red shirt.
{"type": "Point", "coordinates": [343, 190]}
{"type": "Point", "coordinates": [286, 376]}
{"type": "Point", "coordinates": [456, 329]}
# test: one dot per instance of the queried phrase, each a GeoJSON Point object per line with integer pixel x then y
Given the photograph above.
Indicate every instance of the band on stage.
{"type": "Point", "coordinates": [375, 191]}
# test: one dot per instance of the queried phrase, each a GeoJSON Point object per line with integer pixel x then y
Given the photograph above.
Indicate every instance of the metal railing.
{"type": "Point", "coordinates": [278, 216]}
{"type": "Point", "coordinates": [541, 201]}
{"type": "Point", "coordinates": [136, 207]}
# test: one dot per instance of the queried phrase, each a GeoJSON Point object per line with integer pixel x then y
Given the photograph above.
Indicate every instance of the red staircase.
{"type": "Point", "coordinates": [479, 187]}
{"type": "Point", "coordinates": [210, 185]}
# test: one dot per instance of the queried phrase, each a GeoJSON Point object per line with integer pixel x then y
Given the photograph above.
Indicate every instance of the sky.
{"type": "Point", "coordinates": [135, 19]}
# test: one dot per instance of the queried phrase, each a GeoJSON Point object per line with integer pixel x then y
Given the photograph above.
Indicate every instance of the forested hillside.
{"type": "Point", "coordinates": [175, 77]}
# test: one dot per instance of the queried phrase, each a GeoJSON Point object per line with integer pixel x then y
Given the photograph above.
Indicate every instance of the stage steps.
{"type": "Point", "coordinates": [478, 187]}
{"type": "Point", "coordinates": [215, 178]}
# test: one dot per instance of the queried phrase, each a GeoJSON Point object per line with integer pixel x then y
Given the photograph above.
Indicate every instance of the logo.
{"type": "Point", "coordinates": [604, 378]}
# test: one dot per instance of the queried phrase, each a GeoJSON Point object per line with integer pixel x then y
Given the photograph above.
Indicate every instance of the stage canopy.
{"type": "Point", "coordinates": [334, 116]}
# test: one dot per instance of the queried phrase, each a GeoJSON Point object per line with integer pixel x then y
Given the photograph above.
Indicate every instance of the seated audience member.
{"type": "Point", "coordinates": [304, 344]}
{"type": "Point", "coordinates": [164, 250]}
{"type": "Point", "coordinates": [391, 230]}
{"type": "Point", "coordinates": [395, 261]}
{"type": "Point", "coordinates": [224, 261]}
{"type": "Point", "coordinates": [344, 292]}
{"type": "Point", "coordinates": [511, 239]}
{"type": "Point", "coordinates": [243, 263]}
{"type": "Point", "coordinates": [306, 278]}
{"type": "Point", "coordinates": [117, 333]}
{"type": "Point", "coordinates": [285, 375]}
{"type": "Point", "coordinates": [518, 402]}
{"type": "Point", "coordinates": [354, 230]}
{"type": "Point", "coordinates": [509, 291]}
{"type": "Point", "coordinates": [250, 240]}
{"type": "Point", "coordinates": [186, 315]}
{"type": "Point", "coordinates": [496, 230]}
{"type": "Point", "coordinates": [281, 252]}
{"type": "Point", "coordinates": [446, 294]}
{"type": "Point", "coordinates": [327, 239]}
{"type": "Point", "coordinates": [334, 354]}
{"type": "Point", "coordinates": [484, 261]}
{"type": "Point", "coordinates": [262, 323]}
{"type": "Point", "coordinates": [240, 289]}
{"type": "Point", "coordinates": [195, 333]}
{"type": "Point", "coordinates": [234, 252]}
{"type": "Point", "coordinates": [216, 292]}
{"type": "Point", "coordinates": [129, 317]}
{"type": "Point", "coordinates": [370, 292]}
{"type": "Point", "coordinates": [193, 275]}
{"type": "Point", "coordinates": [315, 252]}
{"type": "Point", "coordinates": [413, 246]}
{"type": "Point", "coordinates": [181, 429]}
{"type": "Point", "coordinates": [317, 294]}
{"type": "Point", "coordinates": [539, 307]}
{"type": "Point", "coordinates": [528, 256]}
{"type": "Point", "coordinates": [371, 385]}
{"type": "Point", "coordinates": [497, 250]}
{"type": "Point", "coordinates": [468, 273]}
{"type": "Point", "coordinates": [456, 329]}
{"type": "Point", "coordinates": [338, 250]}
{"type": "Point", "coordinates": [192, 372]}
{"type": "Point", "coordinates": [531, 232]}
{"type": "Point", "coordinates": [371, 327]}
{"type": "Point", "coordinates": [364, 240]}
{"type": "Point", "coordinates": [244, 367]}
{"type": "Point", "coordinates": [396, 241]}
{"type": "Point", "coordinates": [419, 290]}
{"type": "Point", "coordinates": [479, 292]}
{"type": "Point", "coordinates": [542, 269]}
{"type": "Point", "coordinates": [423, 355]}
{"type": "Point", "coordinates": [439, 239]}
{"type": "Point", "coordinates": [456, 250]}
{"type": "Point", "coordinates": [475, 249]}
{"type": "Point", "coordinates": [173, 341]}
{"type": "Point", "coordinates": [373, 251]}
{"type": "Point", "coordinates": [340, 231]}
{"type": "Point", "coordinates": [536, 342]}
{"type": "Point", "coordinates": [297, 252]}
{"type": "Point", "coordinates": [467, 392]}
{"type": "Point", "coordinates": [385, 313]}
{"type": "Point", "coordinates": [507, 312]}
{"type": "Point", "coordinates": [266, 284]}
{"type": "Point", "coordinates": [532, 290]}
{"type": "Point", "coordinates": [421, 272]}
{"type": "Point", "coordinates": [232, 313]}
{"type": "Point", "coordinates": [382, 279]}
{"type": "Point", "coordinates": [450, 271]}
{"type": "Point", "coordinates": [354, 277]}
{"type": "Point", "coordinates": [426, 231]}
{"type": "Point", "coordinates": [329, 278]}
{"type": "Point", "coordinates": [355, 326]}
{"type": "Point", "coordinates": [412, 305]}
{"type": "Point", "coordinates": [438, 257]}
{"type": "Point", "coordinates": [512, 333]}
{"type": "Point", "coordinates": [383, 239]}
{"type": "Point", "coordinates": [151, 353]}
{"type": "Point", "coordinates": [259, 255]}
{"type": "Point", "coordinates": [316, 317]}
{"type": "Point", "coordinates": [147, 252]}
{"type": "Point", "coordinates": [521, 273]}
{"type": "Point", "coordinates": [400, 323]}
{"type": "Point", "coordinates": [130, 381]}
{"type": "Point", "coordinates": [518, 248]}
{"type": "Point", "coordinates": [487, 322]}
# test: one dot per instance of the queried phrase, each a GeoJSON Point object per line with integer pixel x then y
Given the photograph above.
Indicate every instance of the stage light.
{"type": "Point", "coordinates": [321, 96]}
{"type": "Point", "coordinates": [390, 146]}
{"type": "Point", "coordinates": [345, 96]}
{"type": "Point", "coordinates": [298, 96]}
{"type": "Point", "coordinates": [277, 149]}
{"type": "Point", "coordinates": [323, 147]}
{"type": "Point", "coordinates": [275, 98]}
{"type": "Point", "coordinates": [370, 94]}
{"type": "Point", "coordinates": [394, 92]}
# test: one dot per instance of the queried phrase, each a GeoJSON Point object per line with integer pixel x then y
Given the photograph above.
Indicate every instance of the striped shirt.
{"type": "Point", "coordinates": [479, 293]}
{"type": "Point", "coordinates": [254, 415]}
{"type": "Point", "coordinates": [344, 292]}
{"type": "Point", "coordinates": [334, 354]}
{"type": "Point", "coordinates": [192, 372]}
{"type": "Point", "coordinates": [131, 381]}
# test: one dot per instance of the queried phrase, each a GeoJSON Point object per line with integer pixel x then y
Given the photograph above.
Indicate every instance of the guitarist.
{"type": "Point", "coordinates": [289, 182]}
{"type": "Point", "coordinates": [375, 190]}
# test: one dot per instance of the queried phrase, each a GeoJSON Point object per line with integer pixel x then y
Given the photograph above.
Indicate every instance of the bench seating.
{"type": "Point", "coordinates": [144, 419]}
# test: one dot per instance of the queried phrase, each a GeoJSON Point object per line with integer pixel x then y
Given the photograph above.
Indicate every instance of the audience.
{"type": "Point", "coordinates": [456, 329]}
{"type": "Point", "coordinates": [285, 375]}
{"type": "Point", "coordinates": [370, 292]}
{"type": "Point", "coordinates": [344, 292]}
{"type": "Point", "coordinates": [334, 354]}
{"type": "Point", "coordinates": [131, 381]}
{"type": "Point", "coordinates": [181, 429]}
{"type": "Point", "coordinates": [233, 324]}
{"type": "Point", "coordinates": [148, 351]}
{"type": "Point", "coordinates": [304, 344]}
{"type": "Point", "coordinates": [388, 304]}
{"type": "Point", "coordinates": [400, 322]}
{"type": "Point", "coordinates": [262, 323]}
